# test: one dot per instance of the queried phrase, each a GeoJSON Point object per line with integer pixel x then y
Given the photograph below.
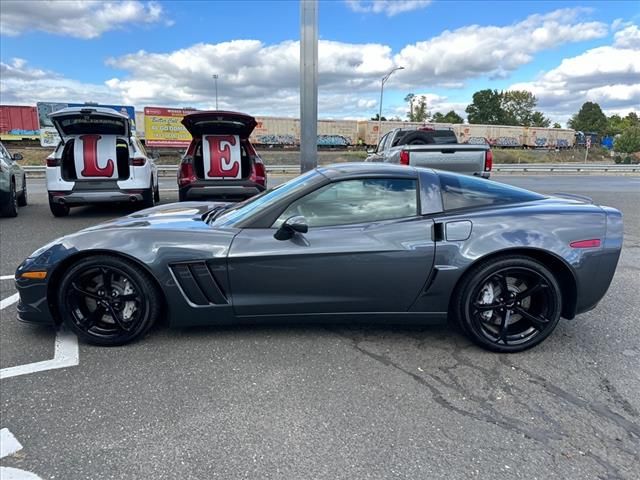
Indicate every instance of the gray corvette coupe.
{"type": "Point", "coordinates": [372, 242]}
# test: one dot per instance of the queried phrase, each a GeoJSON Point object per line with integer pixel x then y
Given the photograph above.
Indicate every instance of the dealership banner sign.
{"type": "Point", "coordinates": [49, 135]}
{"type": "Point", "coordinates": [163, 127]}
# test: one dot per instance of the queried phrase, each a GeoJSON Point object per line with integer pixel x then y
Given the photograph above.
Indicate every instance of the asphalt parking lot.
{"type": "Point", "coordinates": [331, 401]}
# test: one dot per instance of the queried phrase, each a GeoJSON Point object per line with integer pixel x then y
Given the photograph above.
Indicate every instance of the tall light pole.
{"type": "Point", "coordinates": [215, 79]}
{"type": "Point", "coordinates": [384, 80]}
{"type": "Point", "coordinates": [308, 85]}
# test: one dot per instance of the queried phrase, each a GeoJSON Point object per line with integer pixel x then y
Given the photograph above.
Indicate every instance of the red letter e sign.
{"type": "Point", "coordinates": [221, 155]}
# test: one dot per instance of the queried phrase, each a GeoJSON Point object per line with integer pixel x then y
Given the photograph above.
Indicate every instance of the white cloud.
{"type": "Point", "coordinates": [608, 75]}
{"type": "Point", "coordinates": [263, 79]}
{"type": "Point", "coordinates": [75, 18]}
{"type": "Point", "coordinates": [388, 7]}
{"type": "Point", "coordinates": [473, 51]}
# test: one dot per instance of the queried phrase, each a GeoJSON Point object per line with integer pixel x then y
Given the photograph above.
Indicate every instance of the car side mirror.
{"type": "Point", "coordinates": [17, 157]}
{"type": "Point", "coordinates": [371, 152]}
{"type": "Point", "coordinates": [290, 226]}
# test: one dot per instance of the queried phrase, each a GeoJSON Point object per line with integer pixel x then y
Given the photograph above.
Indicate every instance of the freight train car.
{"type": "Point", "coordinates": [276, 131]}
{"type": "Point", "coordinates": [19, 123]}
{"type": "Point", "coordinates": [507, 136]}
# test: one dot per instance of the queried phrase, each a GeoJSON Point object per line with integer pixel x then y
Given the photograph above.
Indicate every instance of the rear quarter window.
{"type": "Point", "coordinates": [460, 191]}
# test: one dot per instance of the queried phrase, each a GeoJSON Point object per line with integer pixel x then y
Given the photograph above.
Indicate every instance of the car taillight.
{"type": "Point", "coordinates": [186, 174]}
{"type": "Point", "coordinates": [138, 161]}
{"type": "Point", "coordinates": [53, 162]}
{"type": "Point", "coordinates": [488, 160]}
{"type": "Point", "coordinates": [404, 157]}
{"type": "Point", "coordinates": [591, 243]}
{"type": "Point", "coordinates": [258, 172]}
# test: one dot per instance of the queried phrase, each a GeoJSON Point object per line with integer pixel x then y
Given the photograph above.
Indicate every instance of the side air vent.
{"type": "Point", "coordinates": [198, 283]}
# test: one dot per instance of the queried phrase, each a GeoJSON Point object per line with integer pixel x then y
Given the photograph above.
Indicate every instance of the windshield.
{"type": "Point", "coordinates": [244, 210]}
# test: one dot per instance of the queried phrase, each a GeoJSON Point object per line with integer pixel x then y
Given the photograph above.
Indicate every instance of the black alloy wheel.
{"type": "Point", "coordinates": [108, 301]}
{"type": "Point", "coordinates": [509, 305]}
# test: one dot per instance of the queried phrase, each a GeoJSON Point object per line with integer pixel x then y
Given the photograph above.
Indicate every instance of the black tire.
{"type": "Point", "coordinates": [508, 323]}
{"type": "Point", "coordinates": [57, 209]}
{"type": "Point", "coordinates": [156, 193]}
{"type": "Point", "coordinates": [10, 209]}
{"type": "Point", "coordinates": [22, 198]}
{"type": "Point", "coordinates": [182, 196]}
{"type": "Point", "coordinates": [87, 302]}
{"type": "Point", "coordinates": [148, 197]}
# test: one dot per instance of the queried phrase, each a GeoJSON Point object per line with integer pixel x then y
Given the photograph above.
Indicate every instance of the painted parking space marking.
{"type": "Point", "coordinates": [5, 302]}
{"type": "Point", "coordinates": [8, 443]}
{"type": "Point", "coordinates": [66, 354]}
{"type": "Point", "coordinates": [8, 446]}
{"type": "Point", "coordinates": [7, 277]}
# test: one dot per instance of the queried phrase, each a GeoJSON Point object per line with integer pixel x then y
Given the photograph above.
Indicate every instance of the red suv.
{"type": "Point", "coordinates": [220, 161]}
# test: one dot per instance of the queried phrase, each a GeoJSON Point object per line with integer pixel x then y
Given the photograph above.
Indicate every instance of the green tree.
{"type": "Point", "coordinates": [450, 117]}
{"type": "Point", "coordinates": [517, 106]}
{"type": "Point", "coordinates": [418, 111]}
{"type": "Point", "coordinates": [539, 120]}
{"type": "Point", "coordinates": [377, 116]}
{"type": "Point", "coordinates": [590, 118]}
{"type": "Point", "coordinates": [486, 108]}
{"type": "Point", "coordinates": [633, 119]}
{"type": "Point", "coordinates": [409, 99]}
{"type": "Point", "coordinates": [628, 141]}
{"type": "Point", "coordinates": [557, 125]}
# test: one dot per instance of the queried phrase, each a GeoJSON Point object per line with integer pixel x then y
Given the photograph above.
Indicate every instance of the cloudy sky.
{"type": "Point", "coordinates": [165, 53]}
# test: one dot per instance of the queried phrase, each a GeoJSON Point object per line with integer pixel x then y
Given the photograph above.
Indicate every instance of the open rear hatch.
{"type": "Point", "coordinates": [221, 150]}
{"type": "Point", "coordinates": [219, 123]}
{"type": "Point", "coordinates": [95, 143]}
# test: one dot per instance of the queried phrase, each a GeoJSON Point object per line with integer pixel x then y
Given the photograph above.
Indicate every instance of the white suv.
{"type": "Point", "coordinates": [98, 160]}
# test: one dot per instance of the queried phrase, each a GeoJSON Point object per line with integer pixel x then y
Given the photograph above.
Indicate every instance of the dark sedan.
{"type": "Point", "coordinates": [372, 242]}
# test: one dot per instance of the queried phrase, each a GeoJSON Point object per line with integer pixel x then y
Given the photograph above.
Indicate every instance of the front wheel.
{"type": "Point", "coordinates": [108, 301]}
{"type": "Point", "coordinates": [508, 305]}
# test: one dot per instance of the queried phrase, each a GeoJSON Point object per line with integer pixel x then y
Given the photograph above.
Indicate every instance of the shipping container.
{"type": "Point", "coordinates": [18, 122]}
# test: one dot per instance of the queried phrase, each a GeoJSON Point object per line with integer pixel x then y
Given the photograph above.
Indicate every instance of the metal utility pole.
{"type": "Point", "coordinates": [308, 85]}
{"type": "Point", "coordinates": [384, 80]}
{"type": "Point", "coordinates": [215, 79]}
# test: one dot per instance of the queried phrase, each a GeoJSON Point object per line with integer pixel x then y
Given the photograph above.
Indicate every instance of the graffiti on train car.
{"type": "Point", "coordinates": [274, 139]}
{"type": "Point", "coordinates": [477, 141]}
{"type": "Point", "coordinates": [541, 141]}
{"type": "Point", "coordinates": [505, 142]}
{"type": "Point", "coordinates": [562, 143]}
{"type": "Point", "coordinates": [333, 141]}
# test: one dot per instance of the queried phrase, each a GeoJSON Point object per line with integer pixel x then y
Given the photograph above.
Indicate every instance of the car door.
{"type": "Point", "coordinates": [14, 168]}
{"type": "Point", "coordinates": [366, 250]}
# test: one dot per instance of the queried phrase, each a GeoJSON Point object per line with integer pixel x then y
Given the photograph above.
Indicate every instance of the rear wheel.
{"type": "Point", "coordinates": [149, 197]}
{"type": "Point", "coordinates": [156, 193]}
{"type": "Point", "coordinates": [108, 301]}
{"type": "Point", "coordinates": [10, 209]}
{"type": "Point", "coordinates": [509, 304]}
{"type": "Point", "coordinates": [57, 209]}
{"type": "Point", "coordinates": [182, 196]}
{"type": "Point", "coordinates": [22, 198]}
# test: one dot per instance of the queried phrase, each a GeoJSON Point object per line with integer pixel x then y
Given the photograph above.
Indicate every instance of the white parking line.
{"type": "Point", "coordinates": [5, 302]}
{"type": "Point", "coordinates": [8, 443]}
{"type": "Point", "coordinates": [8, 446]}
{"type": "Point", "coordinates": [66, 354]}
{"type": "Point", "coordinates": [7, 277]}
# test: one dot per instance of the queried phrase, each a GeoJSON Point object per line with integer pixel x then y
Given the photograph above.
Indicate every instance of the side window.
{"type": "Point", "coordinates": [356, 201]}
{"type": "Point", "coordinates": [382, 143]}
{"type": "Point", "coordinates": [460, 191]}
{"type": "Point", "coordinates": [141, 147]}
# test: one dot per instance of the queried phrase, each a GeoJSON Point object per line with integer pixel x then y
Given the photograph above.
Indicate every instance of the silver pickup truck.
{"type": "Point", "coordinates": [433, 149]}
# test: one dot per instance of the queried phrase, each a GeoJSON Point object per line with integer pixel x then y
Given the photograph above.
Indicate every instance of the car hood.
{"type": "Point", "coordinates": [219, 123]}
{"type": "Point", "coordinates": [183, 215]}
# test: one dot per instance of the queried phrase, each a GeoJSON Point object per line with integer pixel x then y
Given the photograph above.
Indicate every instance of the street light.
{"type": "Point", "coordinates": [384, 80]}
{"type": "Point", "coordinates": [215, 79]}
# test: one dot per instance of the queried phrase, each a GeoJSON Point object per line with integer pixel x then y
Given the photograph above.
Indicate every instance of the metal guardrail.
{"type": "Point", "coordinates": [170, 170]}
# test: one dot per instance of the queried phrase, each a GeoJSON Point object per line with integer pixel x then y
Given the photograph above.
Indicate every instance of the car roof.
{"type": "Point", "coordinates": [343, 170]}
